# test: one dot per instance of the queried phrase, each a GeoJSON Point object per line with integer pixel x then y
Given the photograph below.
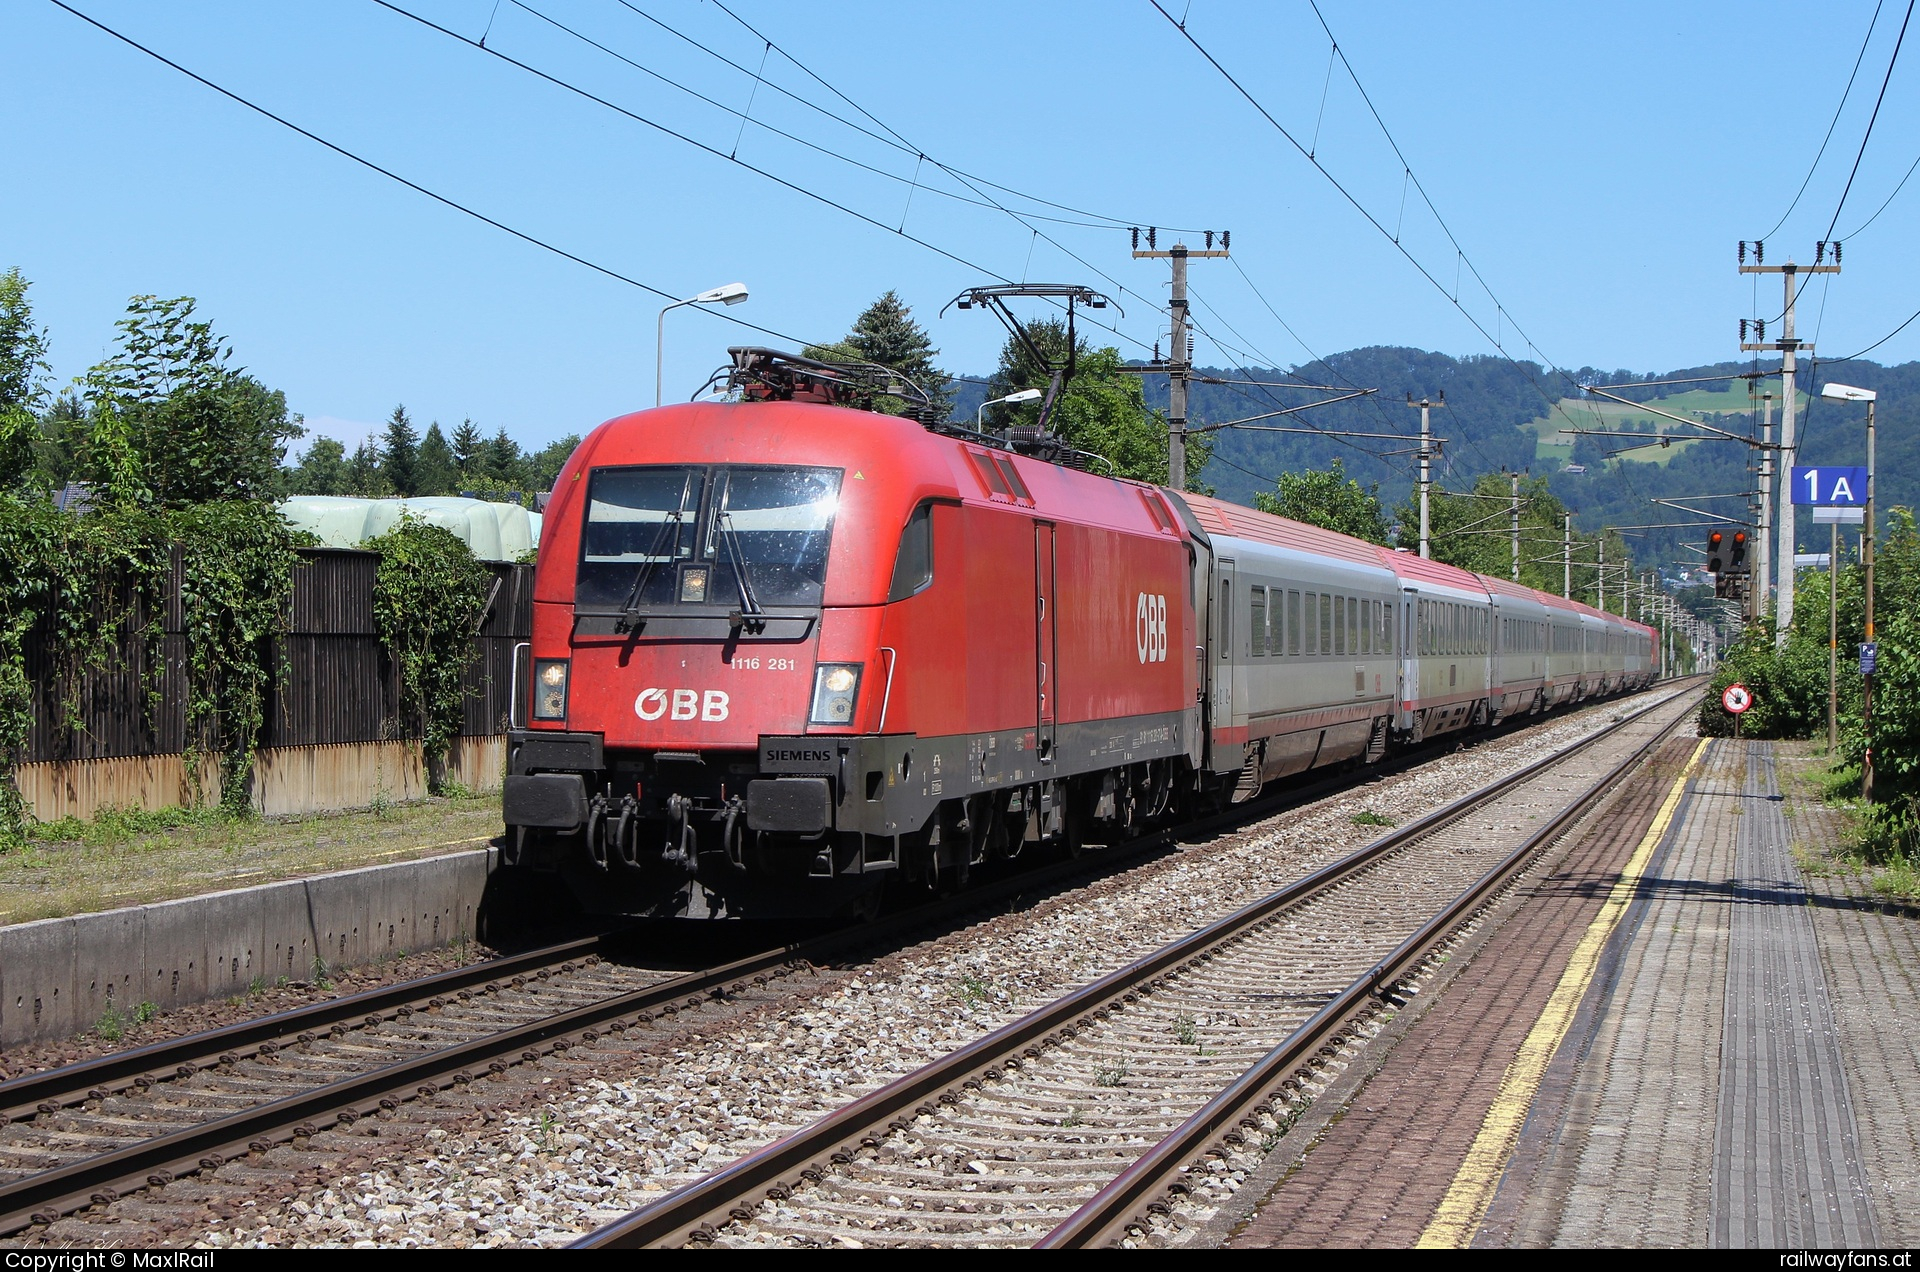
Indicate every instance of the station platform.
{"type": "Point", "coordinates": [1673, 1036]}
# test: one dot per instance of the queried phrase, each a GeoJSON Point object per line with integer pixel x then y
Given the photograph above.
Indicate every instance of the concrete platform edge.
{"type": "Point", "coordinates": [59, 976]}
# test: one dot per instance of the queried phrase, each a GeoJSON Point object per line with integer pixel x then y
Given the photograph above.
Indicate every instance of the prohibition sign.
{"type": "Point", "coordinates": [1736, 698]}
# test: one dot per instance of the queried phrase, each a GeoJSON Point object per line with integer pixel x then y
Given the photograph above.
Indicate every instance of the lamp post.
{"type": "Point", "coordinates": [1847, 393]}
{"type": "Point", "coordinates": [1018, 395]}
{"type": "Point", "coordinates": [731, 294]}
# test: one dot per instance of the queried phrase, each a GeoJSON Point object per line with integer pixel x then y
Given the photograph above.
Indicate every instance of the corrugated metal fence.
{"type": "Point", "coordinates": [340, 686]}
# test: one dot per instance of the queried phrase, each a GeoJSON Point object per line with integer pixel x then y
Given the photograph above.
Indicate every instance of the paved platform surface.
{"type": "Point", "coordinates": [1711, 1051]}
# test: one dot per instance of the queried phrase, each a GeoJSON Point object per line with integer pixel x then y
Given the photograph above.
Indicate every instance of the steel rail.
{"type": "Point", "coordinates": [54, 1089]}
{"type": "Point", "coordinates": [691, 1211]}
{"type": "Point", "coordinates": [41, 1197]}
{"type": "Point", "coordinates": [1107, 1216]}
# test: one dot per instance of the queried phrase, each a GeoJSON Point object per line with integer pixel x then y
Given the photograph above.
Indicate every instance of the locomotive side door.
{"type": "Point", "coordinates": [1045, 622]}
{"type": "Point", "coordinates": [1224, 661]}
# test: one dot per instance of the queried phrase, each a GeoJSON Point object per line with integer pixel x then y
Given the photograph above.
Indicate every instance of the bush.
{"type": "Point", "coordinates": [1789, 687]}
{"type": "Point", "coordinates": [427, 595]}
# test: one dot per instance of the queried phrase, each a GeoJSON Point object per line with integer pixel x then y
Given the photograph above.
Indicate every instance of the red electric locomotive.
{"type": "Point", "coordinates": [783, 651]}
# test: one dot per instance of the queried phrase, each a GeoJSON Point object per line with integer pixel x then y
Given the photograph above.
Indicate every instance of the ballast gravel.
{"type": "Point", "coordinates": [584, 1154]}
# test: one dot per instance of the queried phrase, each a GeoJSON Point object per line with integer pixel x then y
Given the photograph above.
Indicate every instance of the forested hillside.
{"type": "Point", "coordinates": [1500, 414]}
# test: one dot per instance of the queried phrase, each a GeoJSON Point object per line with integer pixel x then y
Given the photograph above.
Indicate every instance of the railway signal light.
{"type": "Point", "coordinates": [1737, 557]}
{"type": "Point", "coordinates": [1716, 561]}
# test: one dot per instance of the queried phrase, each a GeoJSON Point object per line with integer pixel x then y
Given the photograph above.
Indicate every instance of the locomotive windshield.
{"type": "Point", "coordinates": [732, 537]}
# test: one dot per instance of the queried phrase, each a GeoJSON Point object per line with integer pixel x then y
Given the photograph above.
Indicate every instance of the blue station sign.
{"type": "Point", "coordinates": [1830, 487]}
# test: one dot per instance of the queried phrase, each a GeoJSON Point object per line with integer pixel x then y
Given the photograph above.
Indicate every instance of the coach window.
{"type": "Point", "coordinates": [1339, 625]}
{"type": "Point", "coordinates": [1356, 642]}
{"type": "Point", "coordinates": [1326, 623]}
{"type": "Point", "coordinates": [1293, 624]}
{"type": "Point", "coordinates": [913, 567]}
{"type": "Point", "coordinates": [1257, 612]}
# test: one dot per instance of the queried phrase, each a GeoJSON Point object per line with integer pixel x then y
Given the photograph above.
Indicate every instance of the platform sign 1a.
{"type": "Point", "coordinates": [1829, 487]}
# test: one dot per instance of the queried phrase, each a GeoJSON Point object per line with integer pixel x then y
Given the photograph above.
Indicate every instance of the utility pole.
{"type": "Point", "coordinates": [1513, 523]}
{"type": "Point", "coordinates": [1600, 576]}
{"type": "Point", "coordinates": [1566, 559]}
{"type": "Point", "coordinates": [1787, 346]}
{"type": "Point", "coordinates": [1179, 366]}
{"type": "Point", "coordinates": [1763, 554]}
{"type": "Point", "coordinates": [1426, 466]}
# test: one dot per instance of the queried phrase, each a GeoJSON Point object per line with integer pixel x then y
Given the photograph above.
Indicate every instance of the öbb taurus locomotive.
{"type": "Point", "coordinates": [784, 651]}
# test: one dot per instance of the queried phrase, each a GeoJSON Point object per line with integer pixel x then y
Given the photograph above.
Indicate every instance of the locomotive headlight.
{"type": "Point", "coordinates": [550, 689]}
{"type": "Point", "coordinates": [836, 687]}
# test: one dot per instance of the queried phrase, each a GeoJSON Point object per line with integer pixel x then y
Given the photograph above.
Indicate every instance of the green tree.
{"type": "Point", "coordinates": [322, 470]}
{"type": "Point", "coordinates": [886, 333]}
{"type": "Point", "coordinates": [23, 369]}
{"type": "Point", "coordinates": [400, 453]}
{"type": "Point", "coordinates": [435, 472]}
{"type": "Point", "coordinates": [1328, 498]}
{"type": "Point", "coordinates": [171, 423]}
{"type": "Point", "coordinates": [1102, 410]}
{"type": "Point", "coordinates": [500, 459]}
{"type": "Point", "coordinates": [466, 443]}
{"type": "Point", "coordinates": [366, 476]}
{"type": "Point", "coordinates": [544, 465]}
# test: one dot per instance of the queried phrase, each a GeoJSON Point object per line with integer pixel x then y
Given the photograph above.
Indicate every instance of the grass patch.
{"type": "Point", "coordinates": [1367, 817]}
{"type": "Point", "coordinates": [1898, 879]}
{"type": "Point", "coordinates": [114, 1023]}
{"type": "Point", "coordinates": [131, 857]}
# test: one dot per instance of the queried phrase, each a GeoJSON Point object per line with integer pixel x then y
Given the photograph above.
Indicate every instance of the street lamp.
{"type": "Point", "coordinates": [1018, 395]}
{"type": "Point", "coordinates": [731, 294]}
{"type": "Point", "coordinates": [1847, 393]}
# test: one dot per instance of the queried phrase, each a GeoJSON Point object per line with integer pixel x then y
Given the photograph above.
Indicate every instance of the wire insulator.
{"type": "Point", "coordinates": [1136, 238]}
{"type": "Point", "coordinates": [1152, 234]}
{"type": "Point", "coordinates": [1743, 251]}
{"type": "Point", "coordinates": [1836, 251]}
{"type": "Point", "coordinates": [1226, 243]}
{"type": "Point", "coordinates": [1759, 252]}
{"type": "Point", "coordinates": [1209, 240]}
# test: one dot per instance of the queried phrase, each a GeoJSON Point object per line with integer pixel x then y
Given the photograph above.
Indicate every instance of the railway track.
{"type": "Point", "coordinates": [87, 1134]}
{"type": "Point", "coordinates": [1067, 1126]}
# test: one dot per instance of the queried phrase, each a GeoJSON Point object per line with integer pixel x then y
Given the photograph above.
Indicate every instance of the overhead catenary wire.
{"type": "Point", "coordinates": [1871, 119]}
{"type": "Point", "coordinates": [1496, 341]}
{"type": "Point", "coordinates": [793, 186]}
{"type": "Point", "coordinates": [415, 186]}
{"type": "Point", "coordinates": [1831, 124]}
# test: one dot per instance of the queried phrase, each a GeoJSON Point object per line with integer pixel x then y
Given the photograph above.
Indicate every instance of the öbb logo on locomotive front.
{"type": "Point", "coordinates": [685, 704]}
{"type": "Point", "coordinates": [1150, 627]}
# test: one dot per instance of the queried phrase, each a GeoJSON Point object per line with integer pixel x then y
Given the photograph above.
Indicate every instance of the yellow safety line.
{"type": "Point", "coordinates": [1466, 1202]}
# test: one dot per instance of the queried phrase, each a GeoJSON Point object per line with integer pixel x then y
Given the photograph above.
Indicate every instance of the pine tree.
{"type": "Point", "coordinates": [400, 457]}
{"type": "Point", "coordinates": [887, 334]}
{"type": "Point", "coordinates": [502, 459]}
{"type": "Point", "coordinates": [365, 473]}
{"type": "Point", "coordinates": [434, 469]}
{"type": "Point", "coordinates": [466, 446]}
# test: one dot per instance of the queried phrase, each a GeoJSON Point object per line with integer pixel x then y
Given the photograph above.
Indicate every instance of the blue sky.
{"type": "Point", "coordinates": [1597, 166]}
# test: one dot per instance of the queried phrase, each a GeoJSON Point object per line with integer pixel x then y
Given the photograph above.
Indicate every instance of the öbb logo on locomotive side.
{"type": "Point", "coordinates": [1150, 627]}
{"type": "Point", "coordinates": [684, 704]}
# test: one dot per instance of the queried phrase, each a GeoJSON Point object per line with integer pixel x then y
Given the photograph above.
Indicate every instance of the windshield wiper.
{"type": "Point", "coordinates": [749, 611]}
{"type": "Point", "coordinates": [630, 608]}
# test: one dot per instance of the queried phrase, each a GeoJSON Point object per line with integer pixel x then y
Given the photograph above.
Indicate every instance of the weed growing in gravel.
{"type": "Point", "coordinates": [320, 978]}
{"type": "Point", "coordinates": [114, 1023]}
{"type": "Point", "coordinates": [1111, 1077]}
{"type": "Point", "coordinates": [1072, 1118]}
{"type": "Point", "coordinates": [973, 990]}
{"type": "Point", "coordinates": [1367, 817]}
{"type": "Point", "coordinates": [1184, 1029]}
{"type": "Point", "coordinates": [548, 1125]}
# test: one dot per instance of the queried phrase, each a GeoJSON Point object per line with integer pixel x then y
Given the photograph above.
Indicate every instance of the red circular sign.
{"type": "Point", "coordinates": [1736, 698]}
